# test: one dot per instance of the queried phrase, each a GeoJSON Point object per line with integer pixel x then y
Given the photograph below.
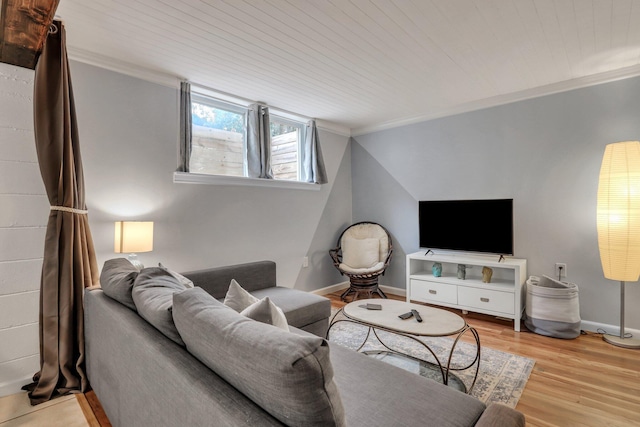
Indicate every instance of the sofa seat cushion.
{"type": "Point", "coordinates": [301, 308]}
{"type": "Point", "coordinates": [288, 375]}
{"type": "Point", "coordinates": [116, 280]}
{"type": "Point", "coordinates": [411, 400]}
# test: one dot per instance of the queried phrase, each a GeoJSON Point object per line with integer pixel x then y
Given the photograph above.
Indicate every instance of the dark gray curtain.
{"type": "Point", "coordinates": [258, 142]}
{"type": "Point", "coordinates": [313, 169]}
{"type": "Point", "coordinates": [69, 263]}
{"type": "Point", "coordinates": [185, 126]}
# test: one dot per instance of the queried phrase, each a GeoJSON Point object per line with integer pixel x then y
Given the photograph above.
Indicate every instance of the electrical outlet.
{"type": "Point", "coordinates": [561, 270]}
{"type": "Point", "coordinates": [305, 262]}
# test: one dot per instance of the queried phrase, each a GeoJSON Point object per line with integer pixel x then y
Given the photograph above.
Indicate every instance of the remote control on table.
{"type": "Point", "coordinates": [415, 313]}
{"type": "Point", "coordinates": [406, 315]}
{"type": "Point", "coordinates": [370, 306]}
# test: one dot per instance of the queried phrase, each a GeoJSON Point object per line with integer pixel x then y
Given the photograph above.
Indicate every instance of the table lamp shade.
{"type": "Point", "coordinates": [133, 236]}
{"type": "Point", "coordinates": [618, 211]}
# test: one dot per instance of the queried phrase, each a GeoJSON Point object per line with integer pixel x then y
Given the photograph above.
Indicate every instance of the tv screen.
{"type": "Point", "coordinates": [467, 225]}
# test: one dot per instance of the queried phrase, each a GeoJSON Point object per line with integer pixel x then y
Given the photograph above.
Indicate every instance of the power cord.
{"type": "Point", "coordinates": [559, 273]}
{"type": "Point", "coordinates": [603, 332]}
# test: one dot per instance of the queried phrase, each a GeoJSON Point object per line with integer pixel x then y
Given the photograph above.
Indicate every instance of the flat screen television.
{"type": "Point", "coordinates": [484, 226]}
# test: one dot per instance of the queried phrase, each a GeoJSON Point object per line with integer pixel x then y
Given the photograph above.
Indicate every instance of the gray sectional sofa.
{"type": "Point", "coordinates": [229, 370]}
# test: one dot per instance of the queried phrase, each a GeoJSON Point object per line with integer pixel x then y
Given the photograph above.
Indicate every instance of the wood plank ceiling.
{"type": "Point", "coordinates": [364, 63]}
{"type": "Point", "coordinates": [23, 30]}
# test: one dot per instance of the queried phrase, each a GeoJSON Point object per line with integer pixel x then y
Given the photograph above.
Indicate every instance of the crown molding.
{"type": "Point", "coordinates": [494, 101]}
{"type": "Point", "coordinates": [123, 67]}
{"type": "Point", "coordinates": [162, 78]}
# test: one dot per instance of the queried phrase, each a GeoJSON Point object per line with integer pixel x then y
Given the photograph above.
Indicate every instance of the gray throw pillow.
{"type": "Point", "coordinates": [116, 280]}
{"type": "Point", "coordinates": [153, 295]}
{"type": "Point", "coordinates": [288, 375]}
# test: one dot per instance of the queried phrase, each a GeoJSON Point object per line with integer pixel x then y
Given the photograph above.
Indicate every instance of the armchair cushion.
{"type": "Point", "coordinates": [366, 231]}
{"type": "Point", "coordinates": [361, 253]}
{"type": "Point", "coordinates": [349, 270]}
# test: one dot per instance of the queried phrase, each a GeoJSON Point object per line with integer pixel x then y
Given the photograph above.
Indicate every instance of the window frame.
{"type": "Point", "coordinates": [227, 102]}
{"type": "Point", "coordinates": [230, 107]}
{"type": "Point", "coordinates": [302, 134]}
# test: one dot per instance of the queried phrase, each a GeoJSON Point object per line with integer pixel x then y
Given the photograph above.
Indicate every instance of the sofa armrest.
{"type": "Point", "coordinates": [251, 276]}
{"type": "Point", "coordinates": [498, 415]}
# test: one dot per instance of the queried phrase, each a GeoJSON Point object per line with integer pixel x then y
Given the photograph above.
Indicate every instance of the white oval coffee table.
{"type": "Point", "coordinates": [435, 323]}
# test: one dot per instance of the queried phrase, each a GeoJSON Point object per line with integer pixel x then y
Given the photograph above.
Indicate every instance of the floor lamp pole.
{"type": "Point", "coordinates": [621, 341]}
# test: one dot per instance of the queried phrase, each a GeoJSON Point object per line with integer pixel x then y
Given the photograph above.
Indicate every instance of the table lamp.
{"type": "Point", "coordinates": [132, 237]}
{"type": "Point", "coordinates": [618, 223]}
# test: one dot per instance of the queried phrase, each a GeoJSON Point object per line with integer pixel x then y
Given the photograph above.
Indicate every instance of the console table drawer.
{"type": "Point", "coordinates": [502, 302]}
{"type": "Point", "coordinates": [423, 290]}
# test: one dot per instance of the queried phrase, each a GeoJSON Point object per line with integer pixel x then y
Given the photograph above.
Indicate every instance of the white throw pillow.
{"type": "Point", "coordinates": [267, 312]}
{"type": "Point", "coordinates": [183, 280]}
{"type": "Point", "coordinates": [237, 298]}
{"type": "Point", "coordinates": [360, 253]}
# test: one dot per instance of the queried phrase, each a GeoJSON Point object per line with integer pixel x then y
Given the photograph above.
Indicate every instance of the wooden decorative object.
{"type": "Point", "coordinates": [486, 274]}
{"type": "Point", "coordinates": [24, 25]}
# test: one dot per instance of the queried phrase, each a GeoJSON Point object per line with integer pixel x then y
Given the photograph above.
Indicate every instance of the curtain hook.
{"type": "Point", "coordinates": [53, 29]}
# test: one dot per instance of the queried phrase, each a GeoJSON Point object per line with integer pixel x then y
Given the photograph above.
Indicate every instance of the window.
{"type": "Point", "coordinates": [286, 137]}
{"type": "Point", "coordinates": [223, 141]}
{"type": "Point", "coordinates": [218, 138]}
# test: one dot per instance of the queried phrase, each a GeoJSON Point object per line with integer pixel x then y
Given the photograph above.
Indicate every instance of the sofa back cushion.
{"type": "Point", "coordinates": [252, 276]}
{"type": "Point", "coordinates": [288, 375]}
{"type": "Point", "coordinates": [153, 295]}
{"type": "Point", "coordinates": [116, 280]}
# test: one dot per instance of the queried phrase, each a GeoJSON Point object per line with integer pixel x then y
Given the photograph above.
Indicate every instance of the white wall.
{"type": "Point", "coordinates": [129, 144]}
{"type": "Point", "coordinates": [545, 153]}
{"type": "Point", "coordinates": [129, 137]}
{"type": "Point", "coordinates": [24, 211]}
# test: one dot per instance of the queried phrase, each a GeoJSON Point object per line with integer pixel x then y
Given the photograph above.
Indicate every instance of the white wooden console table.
{"type": "Point", "coordinates": [502, 297]}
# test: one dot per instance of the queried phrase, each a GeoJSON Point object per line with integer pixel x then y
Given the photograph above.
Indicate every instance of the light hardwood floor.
{"type": "Point", "coordinates": [583, 382]}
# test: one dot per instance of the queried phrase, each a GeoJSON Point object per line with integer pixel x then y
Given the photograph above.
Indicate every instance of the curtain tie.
{"type": "Point", "coordinates": [72, 210]}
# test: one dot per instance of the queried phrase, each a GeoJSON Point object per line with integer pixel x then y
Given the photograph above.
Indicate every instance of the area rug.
{"type": "Point", "coordinates": [501, 379]}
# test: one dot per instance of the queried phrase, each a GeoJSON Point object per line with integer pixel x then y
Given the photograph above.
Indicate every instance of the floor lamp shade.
{"type": "Point", "coordinates": [618, 211]}
{"type": "Point", "coordinates": [133, 236]}
{"type": "Point", "coordinates": [618, 218]}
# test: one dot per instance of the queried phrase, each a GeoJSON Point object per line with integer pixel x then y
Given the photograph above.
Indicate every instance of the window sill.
{"type": "Point", "coordinates": [198, 178]}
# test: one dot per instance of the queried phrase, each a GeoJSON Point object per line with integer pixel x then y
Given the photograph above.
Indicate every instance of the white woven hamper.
{"type": "Point", "coordinates": [552, 308]}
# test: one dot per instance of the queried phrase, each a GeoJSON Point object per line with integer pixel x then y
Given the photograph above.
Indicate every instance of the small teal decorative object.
{"type": "Point", "coordinates": [436, 269]}
{"type": "Point", "coordinates": [462, 271]}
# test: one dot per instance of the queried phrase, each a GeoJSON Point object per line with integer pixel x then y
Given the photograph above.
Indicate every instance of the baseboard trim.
{"type": "Point", "coordinates": [344, 285]}
{"type": "Point", "coordinates": [331, 289]}
{"type": "Point", "coordinates": [393, 290]}
{"type": "Point", "coordinates": [15, 386]}
{"type": "Point", "coordinates": [587, 325]}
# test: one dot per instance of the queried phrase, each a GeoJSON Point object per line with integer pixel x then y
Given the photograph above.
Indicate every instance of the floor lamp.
{"type": "Point", "coordinates": [618, 222]}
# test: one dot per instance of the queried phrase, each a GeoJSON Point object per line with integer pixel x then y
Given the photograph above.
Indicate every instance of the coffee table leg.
{"type": "Point", "coordinates": [443, 371]}
{"type": "Point", "coordinates": [475, 361]}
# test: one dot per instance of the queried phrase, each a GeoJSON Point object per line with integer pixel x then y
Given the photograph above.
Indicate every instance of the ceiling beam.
{"type": "Point", "coordinates": [24, 25]}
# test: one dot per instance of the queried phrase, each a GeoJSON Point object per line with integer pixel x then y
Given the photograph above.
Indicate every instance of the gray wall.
{"type": "Point", "coordinates": [129, 137]}
{"type": "Point", "coordinates": [545, 153]}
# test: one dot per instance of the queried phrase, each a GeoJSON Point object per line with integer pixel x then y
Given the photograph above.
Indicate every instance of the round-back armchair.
{"type": "Point", "coordinates": [362, 254]}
